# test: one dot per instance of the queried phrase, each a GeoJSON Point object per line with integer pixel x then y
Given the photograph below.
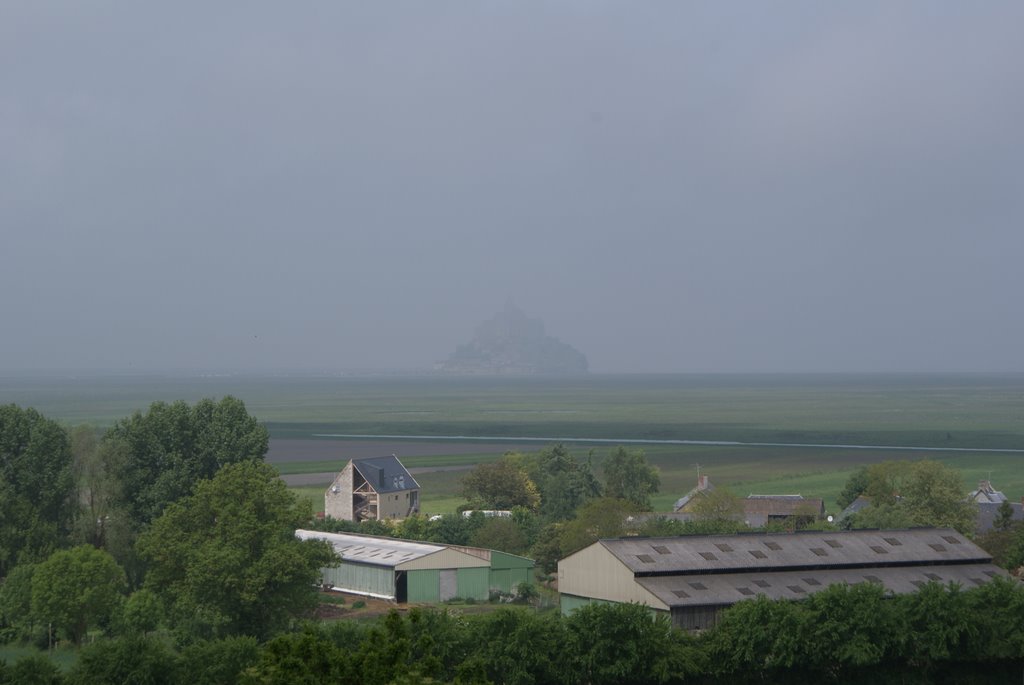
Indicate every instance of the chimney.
{"type": "Point", "coordinates": [985, 486]}
{"type": "Point", "coordinates": [702, 482]}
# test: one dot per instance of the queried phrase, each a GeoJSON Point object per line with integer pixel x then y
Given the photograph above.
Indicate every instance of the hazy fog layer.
{"type": "Point", "coordinates": [791, 186]}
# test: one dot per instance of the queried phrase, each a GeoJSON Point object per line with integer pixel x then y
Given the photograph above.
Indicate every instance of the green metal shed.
{"type": "Point", "coordinates": [403, 570]}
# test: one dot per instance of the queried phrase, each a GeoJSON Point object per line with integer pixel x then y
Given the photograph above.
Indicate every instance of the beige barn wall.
{"type": "Point", "coordinates": [595, 572]}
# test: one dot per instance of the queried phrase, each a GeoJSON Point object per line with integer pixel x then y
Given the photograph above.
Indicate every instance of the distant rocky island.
{"type": "Point", "coordinates": [513, 343]}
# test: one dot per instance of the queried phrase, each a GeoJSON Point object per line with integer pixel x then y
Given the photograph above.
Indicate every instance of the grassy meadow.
{"type": "Point", "coordinates": [967, 411]}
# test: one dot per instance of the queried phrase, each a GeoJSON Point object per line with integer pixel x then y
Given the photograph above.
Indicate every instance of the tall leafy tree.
{"type": "Point", "coordinates": [37, 505]}
{"type": "Point", "coordinates": [855, 486]}
{"type": "Point", "coordinates": [603, 517]}
{"type": "Point", "coordinates": [564, 482]}
{"type": "Point", "coordinates": [77, 589]}
{"type": "Point", "coordinates": [226, 561]}
{"type": "Point", "coordinates": [501, 484]}
{"type": "Point", "coordinates": [628, 476]}
{"type": "Point", "coordinates": [920, 493]}
{"type": "Point", "coordinates": [620, 643]}
{"type": "Point", "coordinates": [157, 457]}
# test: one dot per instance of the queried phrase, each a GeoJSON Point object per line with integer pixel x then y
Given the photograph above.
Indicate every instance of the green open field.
{"type": "Point", "coordinates": [966, 411]}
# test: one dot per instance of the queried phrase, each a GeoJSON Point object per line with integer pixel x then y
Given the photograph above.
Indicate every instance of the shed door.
{"type": "Point", "coordinates": [449, 584]}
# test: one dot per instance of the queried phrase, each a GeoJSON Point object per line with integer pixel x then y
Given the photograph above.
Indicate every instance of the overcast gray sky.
{"type": "Point", "coordinates": [671, 186]}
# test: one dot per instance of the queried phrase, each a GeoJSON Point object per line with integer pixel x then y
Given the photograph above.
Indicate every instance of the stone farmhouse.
{"type": "Point", "coordinates": [372, 489]}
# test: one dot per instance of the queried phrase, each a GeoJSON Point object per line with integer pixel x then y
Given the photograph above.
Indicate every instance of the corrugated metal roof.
{"type": "Point", "coordinates": [385, 474]}
{"type": "Point", "coordinates": [696, 554]}
{"type": "Point", "coordinates": [372, 550]}
{"type": "Point", "coordinates": [729, 588]}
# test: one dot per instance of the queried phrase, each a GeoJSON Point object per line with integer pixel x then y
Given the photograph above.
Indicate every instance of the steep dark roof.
{"type": "Point", "coordinates": [988, 512]}
{"type": "Point", "coordinates": [385, 474]}
{"type": "Point", "coordinates": [857, 505]}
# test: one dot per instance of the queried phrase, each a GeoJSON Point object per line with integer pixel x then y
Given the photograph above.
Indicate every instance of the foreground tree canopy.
{"type": "Point", "coordinates": [225, 560]}
{"type": "Point", "coordinates": [36, 486]}
{"type": "Point", "coordinates": [846, 634]}
{"type": "Point", "coordinates": [157, 457]}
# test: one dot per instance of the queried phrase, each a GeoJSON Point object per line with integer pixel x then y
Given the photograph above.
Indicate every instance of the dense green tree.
{"type": "Point", "coordinates": [998, 629]}
{"type": "Point", "coordinates": [881, 516]}
{"type": "Point", "coordinates": [500, 484]}
{"type": "Point", "coordinates": [162, 454]}
{"type": "Point", "coordinates": [1004, 516]}
{"type": "Point", "coordinates": [855, 486]}
{"type": "Point", "coordinates": [142, 613]}
{"type": "Point", "coordinates": [502, 534]}
{"type": "Point", "coordinates": [226, 561]}
{"type": "Point", "coordinates": [719, 507]}
{"type": "Point", "coordinates": [850, 626]}
{"type": "Point", "coordinates": [934, 495]}
{"type": "Point", "coordinates": [386, 654]}
{"type": "Point", "coordinates": [77, 589]}
{"type": "Point", "coordinates": [302, 658]}
{"type": "Point", "coordinates": [547, 548]}
{"type": "Point", "coordinates": [564, 482]}
{"type": "Point", "coordinates": [36, 669]}
{"type": "Point", "coordinates": [519, 647]}
{"type": "Point", "coordinates": [604, 517]}
{"type": "Point", "coordinates": [661, 526]}
{"type": "Point", "coordinates": [758, 636]}
{"type": "Point", "coordinates": [618, 643]}
{"type": "Point", "coordinates": [939, 618]}
{"type": "Point", "coordinates": [16, 602]}
{"type": "Point", "coordinates": [99, 523]}
{"type": "Point", "coordinates": [921, 493]}
{"type": "Point", "coordinates": [137, 660]}
{"type": "Point", "coordinates": [37, 506]}
{"type": "Point", "coordinates": [1014, 553]}
{"type": "Point", "coordinates": [217, 662]}
{"type": "Point", "coordinates": [628, 476]}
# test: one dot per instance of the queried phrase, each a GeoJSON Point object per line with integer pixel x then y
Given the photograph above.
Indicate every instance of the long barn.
{"type": "Point", "coordinates": [694, 577]}
{"type": "Point", "coordinates": [418, 572]}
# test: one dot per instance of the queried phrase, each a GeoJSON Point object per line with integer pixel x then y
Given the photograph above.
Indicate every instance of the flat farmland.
{"type": "Point", "coordinates": [306, 415]}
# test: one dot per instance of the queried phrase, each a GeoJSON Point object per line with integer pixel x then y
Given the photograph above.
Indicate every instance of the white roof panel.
{"type": "Point", "coordinates": [367, 550]}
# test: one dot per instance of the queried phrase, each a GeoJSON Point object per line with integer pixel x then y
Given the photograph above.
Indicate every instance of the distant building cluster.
{"type": "Point", "coordinates": [690, 578]}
